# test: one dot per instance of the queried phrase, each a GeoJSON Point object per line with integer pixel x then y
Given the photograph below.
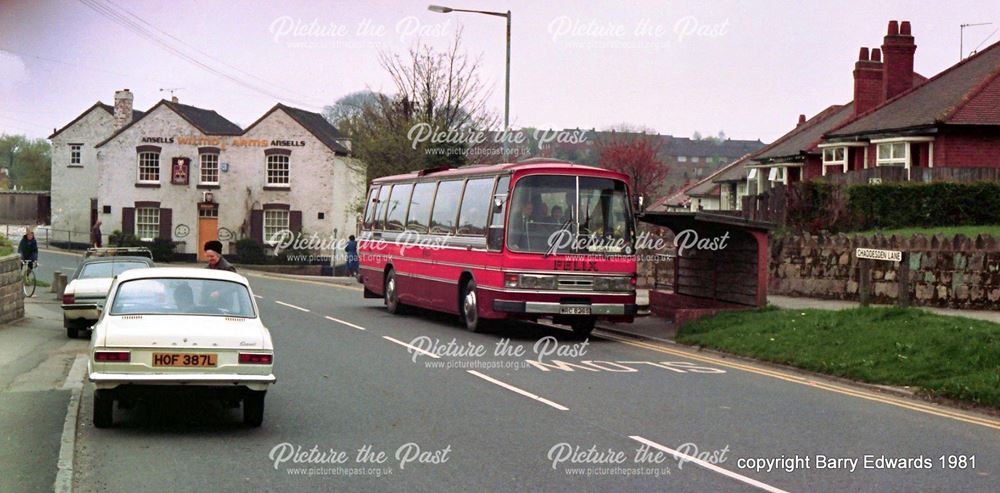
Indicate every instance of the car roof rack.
{"type": "Point", "coordinates": [118, 252]}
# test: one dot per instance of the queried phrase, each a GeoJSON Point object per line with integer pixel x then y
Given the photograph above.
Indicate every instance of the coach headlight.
{"type": "Point", "coordinates": [613, 284]}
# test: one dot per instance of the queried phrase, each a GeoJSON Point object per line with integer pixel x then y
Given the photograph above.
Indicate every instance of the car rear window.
{"type": "Point", "coordinates": [173, 296]}
{"type": "Point", "coordinates": [108, 269]}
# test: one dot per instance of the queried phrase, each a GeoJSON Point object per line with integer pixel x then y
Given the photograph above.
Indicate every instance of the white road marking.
{"type": "Point", "coordinates": [289, 305]}
{"type": "Point", "coordinates": [259, 297]}
{"type": "Point", "coordinates": [707, 465]}
{"type": "Point", "coordinates": [339, 321]}
{"type": "Point", "coordinates": [412, 348]}
{"type": "Point", "coordinates": [519, 391]}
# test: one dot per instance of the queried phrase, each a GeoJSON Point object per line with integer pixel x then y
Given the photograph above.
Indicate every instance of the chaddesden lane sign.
{"type": "Point", "coordinates": [870, 253]}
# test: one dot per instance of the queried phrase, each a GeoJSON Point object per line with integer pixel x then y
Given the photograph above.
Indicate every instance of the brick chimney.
{"type": "Point", "coordinates": [898, 48]}
{"type": "Point", "coordinates": [868, 80]}
{"type": "Point", "coordinates": [123, 108]}
{"type": "Point", "coordinates": [802, 119]}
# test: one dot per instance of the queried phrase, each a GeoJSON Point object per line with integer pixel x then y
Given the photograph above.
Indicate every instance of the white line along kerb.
{"type": "Point", "coordinates": [519, 391]}
{"type": "Point", "coordinates": [339, 321]}
{"type": "Point", "coordinates": [707, 465]}
{"type": "Point", "coordinates": [411, 348]}
{"type": "Point", "coordinates": [289, 305]}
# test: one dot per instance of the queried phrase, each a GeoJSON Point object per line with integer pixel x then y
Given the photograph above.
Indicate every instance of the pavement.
{"type": "Point", "coordinates": [527, 407]}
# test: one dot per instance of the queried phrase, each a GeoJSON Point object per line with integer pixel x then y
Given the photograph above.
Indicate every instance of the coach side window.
{"type": "Point", "coordinates": [446, 207]}
{"type": "Point", "coordinates": [399, 199]}
{"type": "Point", "coordinates": [383, 197]}
{"type": "Point", "coordinates": [420, 207]}
{"type": "Point", "coordinates": [475, 207]}
{"type": "Point", "coordinates": [370, 206]}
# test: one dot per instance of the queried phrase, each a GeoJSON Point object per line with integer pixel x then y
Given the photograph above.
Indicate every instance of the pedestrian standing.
{"type": "Point", "coordinates": [353, 262]}
{"type": "Point", "coordinates": [213, 252]}
{"type": "Point", "coordinates": [95, 235]}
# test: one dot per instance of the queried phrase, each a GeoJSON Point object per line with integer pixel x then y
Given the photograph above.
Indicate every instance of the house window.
{"type": "Point", "coordinates": [892, 154]}
{"type": "Point", "coordinates": [277, 170]}
{"type": "Point", "coordinates": [275, 221]}
{"type": "Point", "coordinates": [147, 223]}
{"type": "Point", "coordinates": [695, 159]}
{"type": "Point", "coordinates": [210, 169]}
{"type": "Point", "coordinates": [74, 153]}
{"type": "Point", "coordinates": [682, 159]}
{"type": "Point", "coordinates": [149, 167]}
{"type": "Point", "coordinates": [835, 156]}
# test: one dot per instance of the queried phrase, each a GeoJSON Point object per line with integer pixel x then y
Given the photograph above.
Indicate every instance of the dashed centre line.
{"type": "Point", "coordinates": [289, 305]}
{"type": "Point", "coordinates": [707, 465]}
{"type": "Point", "coordinates": [339, 321]}
{"type": "Point", "coordinates": [518, 391]}
{"type": "Point", "coordinates": [412, 347]}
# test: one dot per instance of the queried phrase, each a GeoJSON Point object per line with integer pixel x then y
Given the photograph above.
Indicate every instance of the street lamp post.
{"type": "Point", "coordinates": [506, 104]}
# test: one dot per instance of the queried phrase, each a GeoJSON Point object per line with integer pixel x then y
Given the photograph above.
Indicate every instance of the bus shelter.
{"type": "Point", "coordinates": [720, 263]}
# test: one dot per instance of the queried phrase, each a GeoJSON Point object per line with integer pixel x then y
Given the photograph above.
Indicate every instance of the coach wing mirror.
{"type": "Point", "coordinates": [641, 203]}
{"type": "Point", "coordinates": [497, 204]}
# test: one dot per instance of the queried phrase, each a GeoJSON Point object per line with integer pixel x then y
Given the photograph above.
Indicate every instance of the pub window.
{"type": "Point", "coordinates": [74, 153]}
{"type": "Point", "coordinates": [383, 197]}
{"type": "Point", "coordinates": [149, 167]}
{"type": "Point", "coordinates": [275, 221]}
{"type": "Point", "coordinates": [398, 200]}
{"type": "Point", "coordinates": [210, 169]}
{"type": "Point", "coordinates": [892, 154]}
{"type": "Point", "coordinates": [446, 207]}
{"type": "Point", "coordinates": [277, 169]}
{"type": "Point", "coordinates": [147, 223]}
{"type": "Point", "coordinates": [475, 207]}
{"type": "Point", "coordinates": [420, 207]}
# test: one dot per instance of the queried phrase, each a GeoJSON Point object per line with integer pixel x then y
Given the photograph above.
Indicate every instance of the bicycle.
{"type": "Point", "coordinates": [28, 277]}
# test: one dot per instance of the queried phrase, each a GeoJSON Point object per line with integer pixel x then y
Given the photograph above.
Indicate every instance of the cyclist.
{"type": "Point", "coordinates": [28, 249]}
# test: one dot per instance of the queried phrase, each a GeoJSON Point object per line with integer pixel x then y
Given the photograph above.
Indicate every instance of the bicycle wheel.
{"type": "Point", "coordinates": [29, 283]}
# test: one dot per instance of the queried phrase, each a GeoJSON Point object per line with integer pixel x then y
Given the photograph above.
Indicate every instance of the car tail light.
{"type": "Point", "coordinates": [69, 299]}
{"type": "Point", "coordinates": [256, 358]}
{"type": "Point", "coordinates": [113, 356]}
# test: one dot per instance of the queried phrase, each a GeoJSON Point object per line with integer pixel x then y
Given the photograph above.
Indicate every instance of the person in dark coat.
{"type": "Point", "coordinates": [353, 262]}
{"type": "Point", "coordinates": [213, 252]}
{"type": "Point", "coordinates": [95, 235]}
{"type": "Point", "coordinates": [28, 248]}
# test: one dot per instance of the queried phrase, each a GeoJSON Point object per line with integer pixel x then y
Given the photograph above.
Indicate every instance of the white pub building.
{"type": "Point", "coordinates": [189, 175]}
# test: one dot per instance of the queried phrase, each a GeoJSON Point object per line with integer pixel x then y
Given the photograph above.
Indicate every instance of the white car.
{"type": "Point", "coordinates": [84, 296]}
{"type": "Point", "coordinates": [180, 329]}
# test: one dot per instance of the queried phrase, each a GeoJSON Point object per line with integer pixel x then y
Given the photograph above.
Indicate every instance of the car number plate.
{"type": "Point", "coordinates": [184, 359]}
{"type": "Point", "coordinates": [574, 310]}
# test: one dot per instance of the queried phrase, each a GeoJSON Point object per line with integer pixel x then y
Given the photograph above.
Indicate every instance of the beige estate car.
{"type": "Point", "coordinates": [180, 330]}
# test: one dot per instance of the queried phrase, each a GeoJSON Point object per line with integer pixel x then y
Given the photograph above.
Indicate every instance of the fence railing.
{"type": "Point", "coordinates": [48, 237]}
{"type": "Point", "coordinates": [895, 174]}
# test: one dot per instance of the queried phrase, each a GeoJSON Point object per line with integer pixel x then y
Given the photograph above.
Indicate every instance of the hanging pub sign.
{"type": "Point", "coordinates": [179, 167]}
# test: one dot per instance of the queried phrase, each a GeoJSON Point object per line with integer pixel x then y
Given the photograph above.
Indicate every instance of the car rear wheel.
{"type": "Point", "coordinates": [392, 303]}
{"type": "Point", "coordinates": [584, 326]}
{"type": "Point", "coordinates": [253, 408]}
{"type": "Point", "coordinates": [104, 409]}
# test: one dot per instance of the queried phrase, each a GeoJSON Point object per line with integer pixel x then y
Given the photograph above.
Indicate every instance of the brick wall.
{"type": "Point", "coordinates": [953, 272]}
{"type": "Point", "coordinates": [11, 296]}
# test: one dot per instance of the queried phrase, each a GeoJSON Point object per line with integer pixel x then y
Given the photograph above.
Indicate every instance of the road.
{"type": "Point", "coordinates": [606, 414]}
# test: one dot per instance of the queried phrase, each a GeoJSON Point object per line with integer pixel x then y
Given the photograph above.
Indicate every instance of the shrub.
{"type": "Point", "coordinates": [250, 251]}
{"type": "Point", "coordinates": [902, 205]}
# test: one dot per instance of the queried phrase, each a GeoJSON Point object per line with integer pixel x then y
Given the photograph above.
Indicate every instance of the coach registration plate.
{"type": "Point", "coordinates": [180, 359]}
{"type": "Point", "coordinates": [574, 310]}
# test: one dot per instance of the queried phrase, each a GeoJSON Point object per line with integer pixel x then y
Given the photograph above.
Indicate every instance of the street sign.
{"type": "Point", "coordinates": [872, 254]}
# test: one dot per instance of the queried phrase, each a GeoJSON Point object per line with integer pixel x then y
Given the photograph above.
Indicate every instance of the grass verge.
{"type": "Point", "coordinates": [951, 357]}
{"type": "Point", "coordinates": [970, 231]}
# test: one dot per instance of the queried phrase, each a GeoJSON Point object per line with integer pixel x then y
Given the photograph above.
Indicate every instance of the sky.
{"type": "Point", "coordinates": [748, 68]}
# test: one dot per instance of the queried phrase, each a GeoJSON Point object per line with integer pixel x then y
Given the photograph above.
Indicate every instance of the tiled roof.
{"type": "Point", "coordinates": [734, 171]}
{"type": "Point", "coordinates": [966, 93]}
{"type": "Point", "coordinates": [136, 114]}
{"type": "Point", "coordinates": [805, 137]}
{"type": "Point", "coordinates": [208, 121]}
{"type": "Point", "coordinates": [106, 107]}
{"type": "Point", "coordinates": [319, 127]}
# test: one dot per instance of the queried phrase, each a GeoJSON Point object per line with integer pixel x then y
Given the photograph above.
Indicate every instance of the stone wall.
{"type": "Point", "coordinates": [953, 272]}
{"type": "Point", "coordinates": [11, 296]}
